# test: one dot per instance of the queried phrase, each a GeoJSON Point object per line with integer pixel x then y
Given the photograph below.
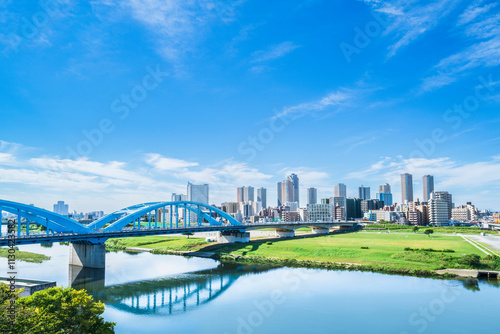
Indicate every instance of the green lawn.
{"type": "Point", "coordinates": [158, 242]}
{"type": "Point", "coordinates": [383, 249]}
{"type": "Point", "coordinates": [25, 256]}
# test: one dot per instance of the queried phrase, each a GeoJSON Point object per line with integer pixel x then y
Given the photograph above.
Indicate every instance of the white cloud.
{"type": "Point", "coordinates": [335, 99]}
{"type": "Point", "coordinates": [175, 26]}
{"type": "Point", "coordinates": [473, 11]}
{"type": "Point", "coordinates": [163, 163]}
{"type": "Point", "coordinates": [483, 50]}
{"type": "Point", "coordinates": [411, 19]}
{"type": "Point", "coordinates": [465, 180]}
{"type": "Point", "coordinates": [274, 52]}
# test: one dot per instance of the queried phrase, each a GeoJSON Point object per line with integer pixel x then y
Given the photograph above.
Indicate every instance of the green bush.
{"type": "Point", "coordinates": [471, 260]}
{"type": "Point", "coordinates": [364, 247]}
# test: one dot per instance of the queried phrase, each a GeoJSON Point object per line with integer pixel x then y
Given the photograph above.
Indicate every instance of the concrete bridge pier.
{"type": "Point", "coordinates": [233, 237]}
{"type": "Point", "coordinates": [283, 233]}
{"type": "Point", "coordinates": [87, 255]}
{"type": "Point", "coordinates": [320, 230]}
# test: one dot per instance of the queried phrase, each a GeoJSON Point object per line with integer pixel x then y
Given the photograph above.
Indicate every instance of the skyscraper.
{"type": "Point", "coordinates": [312, 196]}
{"type": "Point", "coordinates": [197, 193]}
{"type": "Point", "coordinates": [428, 187]}
{"type": "Point", "coordinates": [279, 194]}
{"type": "Point", "coordinates": [295, 181]}
{"type": "Point", "coordinates": [262, 196]}
{"type": "Point", "coordinates": [245, 194]}
{"type": "Point", "coordinates": [364, 193]}
{"type": "Point", "coordinates": [406, 188]}
{"type": "Point", "coordinates": [340, 190]}
{"type": "Point", "coordinates": [287, 192]}
{"type": "Point", "coordinates": [240, 194]}
{"type": "Point", "coordinates": [384, 189]}
{"type": "Point", "coordinates": [61, 209]}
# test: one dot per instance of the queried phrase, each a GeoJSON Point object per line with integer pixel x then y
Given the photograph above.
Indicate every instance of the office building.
{"type": "Point", "coordinates": [262, 196]}
{"type": "Point", "coordinates": [371, 205]}
{"type": "Point", "coordinates": [353, 208]}
{"type": "Point", "coordinates": [339, 200]}
{"type": "Point", "coordinates": [245, 194]}
{"type": "Point", "coordinates": [61, 209]}
{"type": "Point", "coordinates": [320, 212]}
{"type": "Point", "coordinates": [279, 194]}
{"type": "Point", "coordinates": [386, 198]}
{"type": "Point", "coordinates": [447, 197]}
{"type": "Point", "coordinates": [197, 193]}
{"type": "Point", "coordinates": [339, 212]}
{"type": "Point", "coordinates": [364, 193]}
{"type": "Point", "coordinates": [340, 190]}
{"type": "Point", "coordinates": [438, 211]}
{"type": "Point", "coordinates": [294, 179]}
{"type": "Point", "coordinates": [178, 197]}
{"type": "Point", "coordinates": [312, 196]}
{"type": "Point", "coordinates": [406, 188]}
{"type": "Point", "coordinates": [384, 189]}
{"type": "Point", "coordinates": [294, 206]}
{"type": "Point", "coordinates": [428, 187]}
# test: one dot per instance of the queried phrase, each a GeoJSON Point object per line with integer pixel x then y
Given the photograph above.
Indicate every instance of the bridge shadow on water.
{"type": "Point", "coordinates": [162, 296]}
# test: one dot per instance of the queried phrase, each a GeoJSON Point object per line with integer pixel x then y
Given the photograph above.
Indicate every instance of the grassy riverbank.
{"type": "Point", "coordinates": [405, 253]}
{"type": "Point", "coordinates": [25, 256]}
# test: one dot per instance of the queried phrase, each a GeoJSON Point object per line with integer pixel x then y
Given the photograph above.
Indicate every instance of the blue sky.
{"type": "Point", "coordinates": [109, 103]}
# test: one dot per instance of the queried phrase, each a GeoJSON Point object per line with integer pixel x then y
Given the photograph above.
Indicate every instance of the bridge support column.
{"type": "Point", "coordinates": [320, 230]}
{"type": "Point", "coordinates": [233, 237]}
{"type": "Point", "coordinates": [87, 256]}
{"type": "Point", "coordinates": [281, 233]}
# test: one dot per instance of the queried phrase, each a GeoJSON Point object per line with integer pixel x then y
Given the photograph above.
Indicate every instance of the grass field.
{"type": "Point", "coordinates": [379, 249]}
{"type": "Point", "coordinates": [25, 256]}
{"type": "Point", "coordinates": [158, 242]}
{"type": "Point", "coordinates": [383, 249]}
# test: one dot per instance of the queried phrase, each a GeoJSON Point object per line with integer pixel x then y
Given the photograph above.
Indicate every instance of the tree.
{"type": "Point", "coordinates": [429, 232]}
{"type": "Point", "coordinates": [415, 229]}
{"type": "Point", "coordinates": [54, 310]}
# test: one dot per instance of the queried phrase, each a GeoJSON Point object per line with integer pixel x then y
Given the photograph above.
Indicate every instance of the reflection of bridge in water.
{"type": "Point", "coordinates": [162, 296]}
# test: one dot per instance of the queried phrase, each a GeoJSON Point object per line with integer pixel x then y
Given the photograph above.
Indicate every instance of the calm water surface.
{"type": "Point", "coordinates": [146, 293]}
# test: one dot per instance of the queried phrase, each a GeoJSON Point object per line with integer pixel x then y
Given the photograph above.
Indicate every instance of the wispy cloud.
{"type": "Point", "coordinates": [482, 29]}
{"type": "Point", "coordinates": [175, 26]}
{"type": "Point", "coordinates": [409, 20]}
{"type": "Point", "coordinates": [274, 52]}
{"type": "Point", "coordinates": [334, 99]}
{"type": "Point", "coordinates": [467, 178]}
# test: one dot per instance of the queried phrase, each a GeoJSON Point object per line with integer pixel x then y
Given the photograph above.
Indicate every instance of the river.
{"type": "Point", "coordinates": [147, 293]}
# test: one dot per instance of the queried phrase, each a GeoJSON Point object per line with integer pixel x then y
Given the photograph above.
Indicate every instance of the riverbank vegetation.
{"type": "Point", "coordinates": [54, 310]}
{"type": "Point", "coordinates": [24, 256]}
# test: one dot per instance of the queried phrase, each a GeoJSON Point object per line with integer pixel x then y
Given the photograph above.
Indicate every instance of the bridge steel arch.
{"type": "Point", "coordinates": [52, 221]}
{"type": "Point", "coordinates": [121, 218]}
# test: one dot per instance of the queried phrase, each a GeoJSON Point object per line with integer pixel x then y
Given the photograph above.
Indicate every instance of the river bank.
{"type": "Point", "coordinates": [397, 253]}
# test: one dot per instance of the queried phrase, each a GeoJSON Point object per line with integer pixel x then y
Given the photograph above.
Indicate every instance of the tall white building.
{"type": "Point", "coordinates": [340, 190]}
{"type": "Point", "coordinates": [61, 209]}
{"type": "Point", "coordinates": [438, 211]}
{"type": "Point", "coordinates": [447, 197]}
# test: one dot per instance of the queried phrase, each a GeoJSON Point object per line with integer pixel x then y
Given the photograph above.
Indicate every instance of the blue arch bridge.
{"type": "Point", "coordinates": [87, 247]}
